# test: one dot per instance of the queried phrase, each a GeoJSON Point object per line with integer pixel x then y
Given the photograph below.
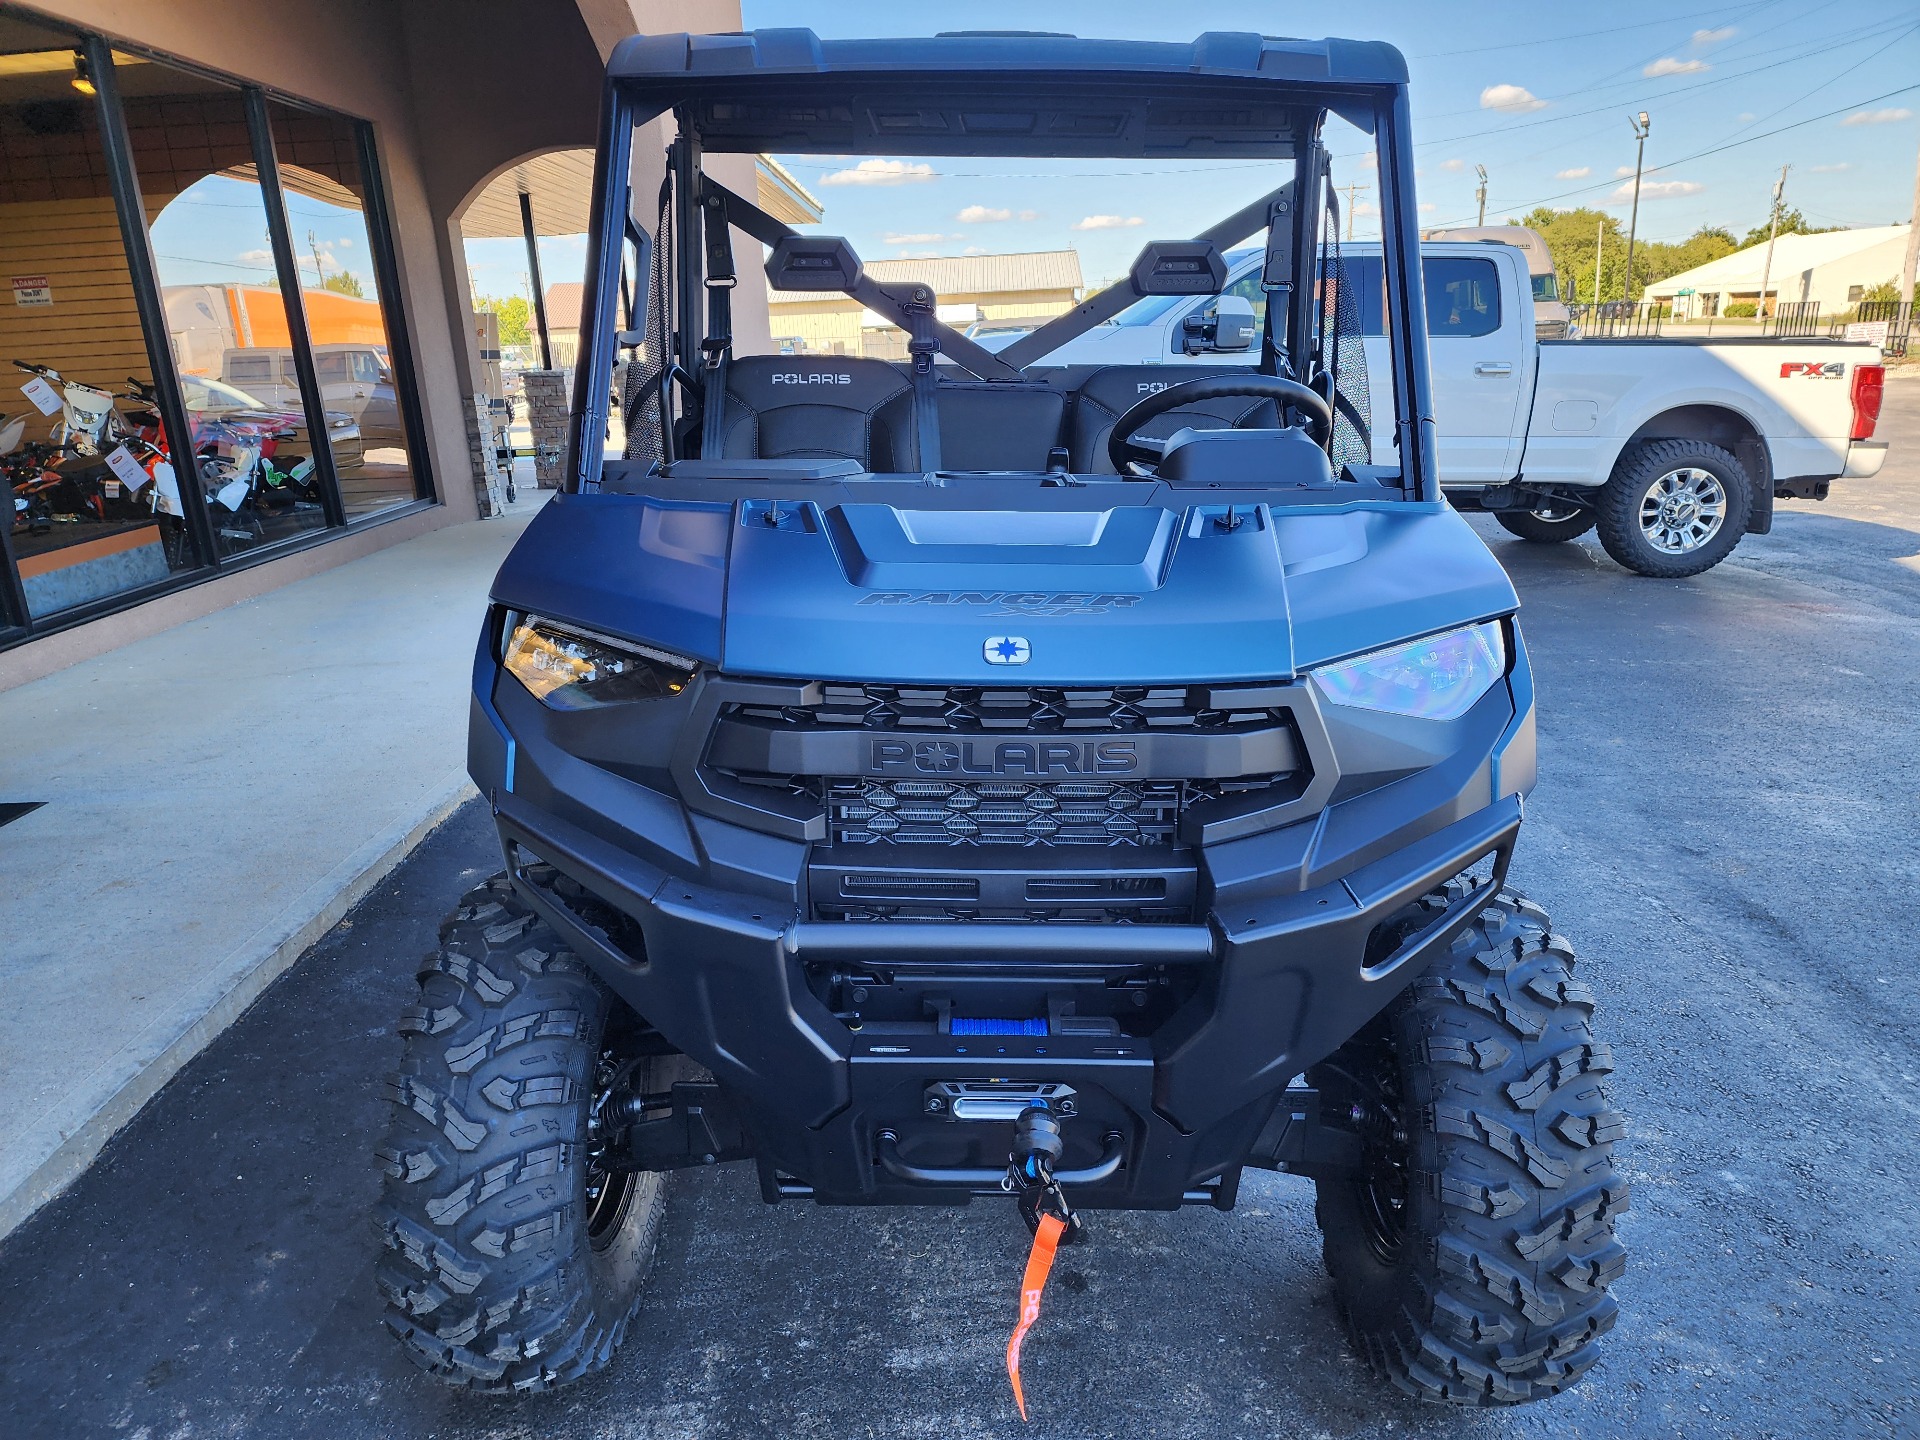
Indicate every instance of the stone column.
{"type": "Point", "coordinates": [489, 489]}
{"type": "Point", "coordinates": [548, 409]}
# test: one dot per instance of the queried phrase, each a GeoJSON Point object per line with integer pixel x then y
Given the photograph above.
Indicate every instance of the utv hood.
{"type": "Point", "coordinates": [1153, 591]}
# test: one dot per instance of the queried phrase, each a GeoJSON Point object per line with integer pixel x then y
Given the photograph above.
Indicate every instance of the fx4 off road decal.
{"type": "Point", "coordinates": [1812, 370]}
{"type": "Point", "coordinates": [1008, 602]}
{"type": "Point", "coordinates": [1033, 758]}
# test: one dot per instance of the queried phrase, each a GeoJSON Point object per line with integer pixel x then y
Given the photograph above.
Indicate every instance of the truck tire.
{"type": "Point", "coordinates": [512, 1263]}
{"type": "Point", "coordinates": [1546, 527]}
{"type": "Point", "coordinates": [1471, 1259]}
{"type": "Point", "coordinates": [1674, 508]}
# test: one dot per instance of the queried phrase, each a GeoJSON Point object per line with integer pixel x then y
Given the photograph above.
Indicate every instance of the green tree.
{"type": "Point", "coordinates": [341, 283]}
{"type": "Point", "coordinates": [1573, 238]}
{"type": "Point", "coordinates": [515, 316]}
{"type": "Point", "coordinates": [1792, 222]}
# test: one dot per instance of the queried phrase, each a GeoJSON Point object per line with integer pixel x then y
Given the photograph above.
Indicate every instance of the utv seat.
{"type": "Point", "coordinates": [818, 407]}
{"type": "Point", "coordinates": [998, 424]}
{"type": "Point", "coordinates": [1108, 392]}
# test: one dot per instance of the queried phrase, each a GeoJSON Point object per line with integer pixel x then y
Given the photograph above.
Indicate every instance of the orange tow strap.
{"type": "Point", "coordinates": [1046, 1240]}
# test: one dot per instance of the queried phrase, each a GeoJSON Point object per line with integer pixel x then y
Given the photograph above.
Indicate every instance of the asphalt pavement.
{"type": "Point", "coordinates": [1726, 827]}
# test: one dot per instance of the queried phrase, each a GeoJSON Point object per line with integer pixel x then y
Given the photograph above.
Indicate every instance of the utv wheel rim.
{"type": "Point", "coordinates": [609, 1196]}
{"type": "Point", "coordinates": [1683, 510]}
{"type": "Point", "coordinates": [609, 1192]}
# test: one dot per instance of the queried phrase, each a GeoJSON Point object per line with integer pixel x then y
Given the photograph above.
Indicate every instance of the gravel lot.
{"type": "Point", "coordinates": [1726, 828]}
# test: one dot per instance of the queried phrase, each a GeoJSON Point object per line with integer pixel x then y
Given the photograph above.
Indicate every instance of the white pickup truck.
{"type": "Point", "coordinates": [1675, 448]}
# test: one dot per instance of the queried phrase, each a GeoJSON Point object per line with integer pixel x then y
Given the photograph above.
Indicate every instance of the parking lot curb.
{"type": "Point", "coordinates": [36, 1173]}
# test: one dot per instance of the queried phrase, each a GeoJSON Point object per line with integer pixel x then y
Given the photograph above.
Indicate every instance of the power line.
{"type": "Point", "coordinates": [1717, 149]}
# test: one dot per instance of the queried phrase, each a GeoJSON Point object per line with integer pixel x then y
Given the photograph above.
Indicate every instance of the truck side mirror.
{"type": "Point", "coordinates": [1233, 324]}
{"type": "Point", "coordinates": [1226, 326]}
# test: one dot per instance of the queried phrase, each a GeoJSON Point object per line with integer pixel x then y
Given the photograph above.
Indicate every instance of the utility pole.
{"type": "Point", "coordinates": [1773, 230]}
{"type": "Point", "coordinates": [1482, 193]}
{"type": "Point", "coordinates": [1640, 127]}
{"type": "Point", "coordinates": [1599, 256]}
{"type": "Point", "coordinates": [1912, 263]}
{"type": "Point", "coordinates": [1350, 187]}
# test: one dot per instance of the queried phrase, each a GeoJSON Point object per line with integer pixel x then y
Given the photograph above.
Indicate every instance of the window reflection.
{"type": "Point", "coordinates": [80, 447]}
{"type": "Point", "coordinates": [226, 317]}
{"type": "Point", "coordinates": [325, 193]}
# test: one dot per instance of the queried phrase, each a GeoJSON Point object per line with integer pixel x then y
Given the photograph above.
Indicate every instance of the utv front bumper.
{"type": "Point", "coordinates": [873, 1060]}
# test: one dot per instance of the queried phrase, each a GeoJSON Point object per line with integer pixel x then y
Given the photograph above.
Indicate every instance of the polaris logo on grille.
{"type": "Point", "coordinates": [1033, 758]}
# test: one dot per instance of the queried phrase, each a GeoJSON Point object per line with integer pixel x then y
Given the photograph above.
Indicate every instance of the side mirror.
{"type": "Point", "coordinates": [1225, 327]}
{"type": "Point", "coordinates": [1233, 324]}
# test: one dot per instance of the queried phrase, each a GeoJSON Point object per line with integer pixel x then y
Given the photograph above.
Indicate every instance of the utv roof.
{"type": "Point", "coordinates": [1000, 92]}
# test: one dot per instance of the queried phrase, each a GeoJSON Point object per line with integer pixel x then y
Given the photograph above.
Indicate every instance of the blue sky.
{"type": "Point", "coordinates": [1539, 94]}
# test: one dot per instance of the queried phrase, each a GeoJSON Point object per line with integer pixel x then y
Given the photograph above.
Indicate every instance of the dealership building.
{"type": "Point", "coordinates": [241, 221]}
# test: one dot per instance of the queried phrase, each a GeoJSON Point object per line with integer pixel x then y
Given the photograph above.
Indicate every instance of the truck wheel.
{"type": "Point", "coordinates": [1674, 508]}
{"type": "Point", "coordinates": [1546, 527]}
{"type": "Point", "coordinates": [1472, 1255]}
{"type": "Point", "coordinates": [513, 1261]}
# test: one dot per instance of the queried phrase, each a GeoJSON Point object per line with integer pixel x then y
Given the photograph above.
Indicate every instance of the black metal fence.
{"type": "Point", "coordinates": [1794, 319]}
{"type": "Point", "coordinates": [1611, 318]}
{"type": "Point", "coordinates": [1903, 331]}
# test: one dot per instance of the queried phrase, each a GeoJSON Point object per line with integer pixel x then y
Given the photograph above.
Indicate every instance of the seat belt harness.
{"type": "Point", "coordinates": [917, 305]}
{"type": "Point", "coordinates": [717, 347]}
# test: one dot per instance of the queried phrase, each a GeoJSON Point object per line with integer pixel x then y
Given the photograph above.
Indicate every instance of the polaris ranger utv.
{"type": "Point", "coordinates": [960, 777]}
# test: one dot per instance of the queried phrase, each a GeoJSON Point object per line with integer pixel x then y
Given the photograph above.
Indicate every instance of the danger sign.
{"type": "Point", "coordinates": [32, 290]}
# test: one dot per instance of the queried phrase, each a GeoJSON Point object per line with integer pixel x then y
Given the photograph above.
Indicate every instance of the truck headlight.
{"type": "Point", "coordinates": [1437, 678]}
{"type": "Point", "coordinates": [571, 669]}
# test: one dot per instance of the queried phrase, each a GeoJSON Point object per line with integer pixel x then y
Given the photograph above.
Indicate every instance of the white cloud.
{"type": "Point", "coordinates": [1109, 222]}
{"type": "Point", "coordinates": [255, 257]}
{"type": "Point", "coordinates": [1620, 170]}
{"type": "Point", "coordinates": [922, 237]}
{"type": "Point", "coordinates": [1670, 65]}
{"type": "Point", "coordinates": [1513, 99]}
{"type": "Point", "coordinates": [1746, 117]}
{"type": "Point", "coordinates": [880, 172]}
{"type": "Point", "coordinates": [345, 242]}
{"type": "Point", "coordinates": [1577, 172]}
{"type": "Point", "coordinates": [1831, 169]}
{"type": "Point", "coordinates": [1427, 209]}
{"type": "Point", "coordinates": [991, 215]}
{"type": "Point", "coordinates": [1714, 37]}
{"type": "Point", "coordinates": [1879, 117]}
{"type": "Point", "coordinates": [1453, 167]}
{"type": "Point", "coordinates": [1658, 190]}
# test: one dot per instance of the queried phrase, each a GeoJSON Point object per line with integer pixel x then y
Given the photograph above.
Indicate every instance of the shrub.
{"type": "Point", "coordinates": [1741, 310]}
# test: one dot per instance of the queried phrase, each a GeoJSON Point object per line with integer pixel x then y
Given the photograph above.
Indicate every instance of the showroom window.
{"type": "Point", "coordinates": [188, 256]}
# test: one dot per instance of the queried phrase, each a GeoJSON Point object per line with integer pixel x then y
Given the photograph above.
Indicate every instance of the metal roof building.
{"type": "Point", "coordinates": [1834, 269]}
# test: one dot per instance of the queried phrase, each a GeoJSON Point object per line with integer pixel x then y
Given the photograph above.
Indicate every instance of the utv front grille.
{"type": "Point", "coordinates": [1051, 813]}
{"type": "Point", "coordinates": [1036, 710]}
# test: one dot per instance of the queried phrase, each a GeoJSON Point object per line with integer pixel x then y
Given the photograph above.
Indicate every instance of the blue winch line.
{"type": "Point", "coordinates": [975, 1025]}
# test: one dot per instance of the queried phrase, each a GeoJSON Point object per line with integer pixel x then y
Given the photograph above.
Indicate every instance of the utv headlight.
{"type": "Point", "coordinates": [1437, 678]}
{"type": "Point", "coordinates": [572, 669]}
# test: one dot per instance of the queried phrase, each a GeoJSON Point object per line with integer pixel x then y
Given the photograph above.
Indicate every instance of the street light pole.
{"type": "Point", "coordinates": [1773, 230]}
{"type": "Point", "coordinates": [1908, 267]}
{"type": "Point", "coordinates": [1640, 127]}
{"type": "Point", "coordinates": [1482, 193]}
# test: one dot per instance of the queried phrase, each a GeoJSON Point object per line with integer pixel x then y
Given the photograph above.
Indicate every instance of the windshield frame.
{"type": "Point", "coordinates": [627, 103]}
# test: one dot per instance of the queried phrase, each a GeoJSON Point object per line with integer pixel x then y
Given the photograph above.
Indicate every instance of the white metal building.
{"type": "Point", "coordinates": [1835, 269]}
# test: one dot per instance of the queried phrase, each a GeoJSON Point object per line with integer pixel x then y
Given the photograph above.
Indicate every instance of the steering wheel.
{"type": "Point", "coordinates": [1122, 447]}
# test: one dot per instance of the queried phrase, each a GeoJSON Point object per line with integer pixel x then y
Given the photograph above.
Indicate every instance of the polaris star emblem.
{"type": "Point", "coordinates": [1007, 650]}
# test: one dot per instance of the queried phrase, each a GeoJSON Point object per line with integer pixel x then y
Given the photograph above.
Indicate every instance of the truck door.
{"type": "Point", "coordinates": [1478, 366]}
{"type": "Point", "coordinates": [1479, 363]}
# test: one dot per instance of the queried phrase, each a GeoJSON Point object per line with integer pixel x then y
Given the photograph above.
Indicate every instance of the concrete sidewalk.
{"type": "Point", "coordinates": [216, 797]}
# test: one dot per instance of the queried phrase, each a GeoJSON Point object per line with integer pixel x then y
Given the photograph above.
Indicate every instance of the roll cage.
{"type": "Point", "coordinates": [991, 94]}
